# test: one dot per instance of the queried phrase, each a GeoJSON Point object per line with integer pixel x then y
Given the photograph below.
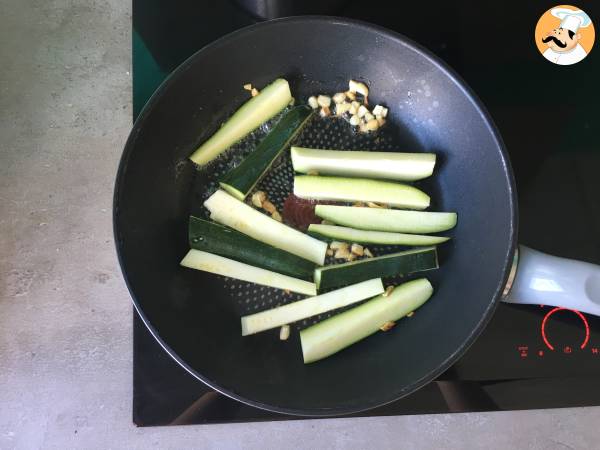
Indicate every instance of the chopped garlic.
{"type": "Point", "coordinates": [357, 86]}
{"type": "Point", "coordinates": [387, 326]}
{"type": "Point", "coordinates": [377, 110]}
{"type": "Point", "coordinates": [342, 253]}
{"type": "Point", "coordinates": [336, 245]}
{"type": "Point", "coordinates": [372, 125]}
{"type": "Point", "coordinates": [355, 112]}
{"type": "Point", "coordinates": [268, 206]}
{"type": "Point", "coordinates": [410, 314]}
{"type": "Point", "coordinates": [341, 108]}
{"type": "Point", "coordinates": [254, 92]}
{"type": "Point", "coordinates": [374, 205]}
{"type": "Point", "coordinates": [357, 249]}
{"type": "Point", "coordinates": [275, 215]}
{"type": "Point", "coordinates": [354, 107]}
{"type": "Point", "coordinates": [258, 198]}
{"type": "Point", "coordinates": [248, 87]}
{"type": "Point", "coordinates": [324, 101]}
{"type": "Point", "coordinates": [359, 204]}
{"type": "Point", "coordinates": [351, 257]}
{"type": "Point", "coordinates": [284, 332]}
{"type": "Point", "coordinates": [339, 97]}
{"type": "Point", "coordinates": [329, 252]}
{"type": "Point", "coordinates": [388, 291]}
{"type": "Point", "coordinates": [368, 253]}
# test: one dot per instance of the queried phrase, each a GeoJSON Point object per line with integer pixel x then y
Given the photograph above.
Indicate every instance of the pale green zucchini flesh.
{"type": "Point", "coordinates": [364, 164]}
{"type": "Point", "coordinates": [235, 214]}
{"type": "Point", "coordinates": [360, 189]}
{"type": "Point", "coordinates": [303, 309]}
{"type": "Point", "coordinates": [383, 219]}
{"type": "Point", "coordinates": [269, 102]}
{"type": "Point", "coordinates": [208, 262]}
{"type": "Point", "coordinates": [337, 233]}
{"type": "Point", "coordinates": [342, 330]}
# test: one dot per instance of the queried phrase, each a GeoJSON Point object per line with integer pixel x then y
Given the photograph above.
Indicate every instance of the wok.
{"type": "Point", "coordinates": [195, 315]}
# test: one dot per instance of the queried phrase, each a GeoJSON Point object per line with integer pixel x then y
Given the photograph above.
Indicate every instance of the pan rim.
{"type": "Point", "coordinates": [512, 207]}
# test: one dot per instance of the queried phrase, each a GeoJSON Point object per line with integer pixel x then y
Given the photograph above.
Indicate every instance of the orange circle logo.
{"type": "Point", "coordinates": [565, 35]}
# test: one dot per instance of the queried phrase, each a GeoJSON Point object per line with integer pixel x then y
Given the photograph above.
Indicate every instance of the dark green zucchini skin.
{"type": "Point", "coordinates": [402, 263]}
{"type": "Point", "coordinates": [241, 180]}
{"type": "Point", "coordinates": [214, 238]}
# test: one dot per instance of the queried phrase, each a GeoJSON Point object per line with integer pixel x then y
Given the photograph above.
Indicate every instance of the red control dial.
{"type": "Point", "coordinates": [581, 316]}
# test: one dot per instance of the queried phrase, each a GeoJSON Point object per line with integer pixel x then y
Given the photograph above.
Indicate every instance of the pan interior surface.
{"type": "Point", "coordinates": [196, 316]}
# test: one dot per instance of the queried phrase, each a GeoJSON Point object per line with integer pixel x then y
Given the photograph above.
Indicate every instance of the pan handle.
{"type": "Point", "coordinates": [538, 278]}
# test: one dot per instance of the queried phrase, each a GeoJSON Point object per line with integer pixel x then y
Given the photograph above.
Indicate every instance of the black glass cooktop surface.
{"type": "Point", "coordinates": [548, 118]}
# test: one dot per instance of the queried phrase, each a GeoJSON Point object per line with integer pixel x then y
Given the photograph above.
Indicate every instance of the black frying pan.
{"type": "Point", "coordinates": [195, 316]}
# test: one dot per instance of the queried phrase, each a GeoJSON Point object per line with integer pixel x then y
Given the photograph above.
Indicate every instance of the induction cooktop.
{"type": "Point", "coordinates": [533, 356]}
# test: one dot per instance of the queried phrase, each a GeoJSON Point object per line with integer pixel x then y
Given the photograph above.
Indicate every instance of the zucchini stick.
{"type": "Point", "coordinates": [365, 164]}
{"type": "Point", "coordinates": [207, 262]}
{"type": "Point", "coordinates": [229, 211]}
{"type": "Point", "coordinates": [215, 238]}
{"type": "Point", "coordinates": [302, 309]}
{"type": "Point", "coordinates": [342, 330]}
{"type": "Point", "coordinates": [383, 219]}
{"type": "Point", "coordinates": [271, 100]}
{"type": "Point", "coordinates": [241, 180]}
{"type": "Point", "coordinates": [336, 233]}
{"type": "Point", "coordinates": [401, 263]}
{"type": "Point", "coordinates": [360, 189]}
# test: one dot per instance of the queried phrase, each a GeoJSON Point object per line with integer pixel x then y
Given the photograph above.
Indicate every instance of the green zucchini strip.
{"type": "Point", "coordinates": [365, 164]}
{"type": "Point", "coordinates": [229, 211]}
{"type": "Point", "coordinates": [336, 233]}
{"type": "Point", "coordinates": [383, 219]}
{"type": "Point", "coordinates": [241, 180]}
{"type": "Point", "coordinates": [360, 189]}
{"type": "Point", "coordinates": [270, 101]}
{"type": "Point", "coordinates": [342, 330]}
{"type": "Point", "coordinates": [207, 262]}
{"type": "Point", "coordinates": [215, 238]}
{"type": "Point", "coordinates": [292, 312]}
{"type": "Point", "coordinates": [401, 263]}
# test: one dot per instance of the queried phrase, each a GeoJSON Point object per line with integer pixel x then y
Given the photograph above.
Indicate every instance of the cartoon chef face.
{"type": "Point", "coordinates": [561, 39]}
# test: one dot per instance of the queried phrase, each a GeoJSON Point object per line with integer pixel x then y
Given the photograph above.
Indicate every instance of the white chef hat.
{"type": "Point", "coordinates": [571, 19]}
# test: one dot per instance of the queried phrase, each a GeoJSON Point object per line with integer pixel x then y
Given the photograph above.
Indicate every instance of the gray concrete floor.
{"type": "Point", "coordinates": [65, 314]}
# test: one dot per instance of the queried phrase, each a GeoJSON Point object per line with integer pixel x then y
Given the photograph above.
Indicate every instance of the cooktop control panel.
{"type": "Point", "coordinates": [534, 341]}
{"type": "Point", "coordinates": [558, 340]}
